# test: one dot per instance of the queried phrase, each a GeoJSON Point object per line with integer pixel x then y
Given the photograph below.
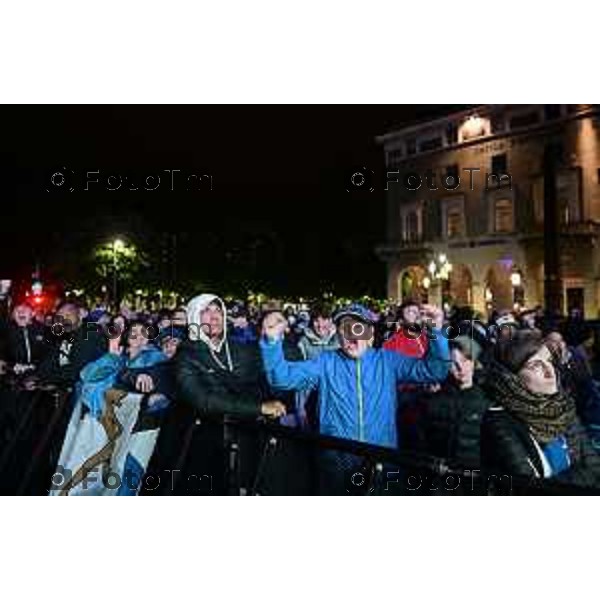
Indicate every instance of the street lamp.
{"type": "Point", "coordinates": [439, 271]}
{"type": "Point", "coordinates": [517, 283]}
{"type": "Point", "coordinates": [118, 245]}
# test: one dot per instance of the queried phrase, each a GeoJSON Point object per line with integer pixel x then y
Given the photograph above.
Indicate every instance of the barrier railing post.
{"type": "Point", "coordinates": [61, 401]}
{"type": "Point", "coordinates": [25, 420]}
{"type": "Point", "coordinates": [232, 459]}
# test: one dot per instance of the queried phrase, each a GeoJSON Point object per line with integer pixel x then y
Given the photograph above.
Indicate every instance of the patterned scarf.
{"type": "Point", "coordinates": [546, 416]}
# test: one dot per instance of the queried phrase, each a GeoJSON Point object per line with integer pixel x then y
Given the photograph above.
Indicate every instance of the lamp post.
{"type": "Point", "coordinates": [517, 283]}
{"type": "Point", "coordinates": [117, 246]}
{"type": "Point", "coordinates": [439, 272]}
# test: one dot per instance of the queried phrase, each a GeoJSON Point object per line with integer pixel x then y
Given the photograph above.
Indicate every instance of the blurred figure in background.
{"type": "Point", "coordinates": [411, 341]}
{"type": "Point", "coordinates": [575, 376]}
{"type": "Point", "coordinates": [242, 331]}
{"type": "Point", "coordinates": [23, 346]}
{"type": "Point", "coordinates": [318, 337]}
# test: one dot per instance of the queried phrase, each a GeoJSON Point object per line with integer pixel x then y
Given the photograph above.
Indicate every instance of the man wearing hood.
{"type": "Point", "coordinates": [215, 377]}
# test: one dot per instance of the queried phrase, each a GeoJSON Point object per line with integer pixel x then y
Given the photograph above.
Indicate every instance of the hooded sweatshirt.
{"type": "Point", "coordinates": [218, 376]}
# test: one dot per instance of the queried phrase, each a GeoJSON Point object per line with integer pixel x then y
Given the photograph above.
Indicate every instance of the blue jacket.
{"type": "Point", "coordinates": [357, 398]}
{"type": "Point", "coordinates": [243, 335]}
{"type": "Point", "coordinates": [101, 375]}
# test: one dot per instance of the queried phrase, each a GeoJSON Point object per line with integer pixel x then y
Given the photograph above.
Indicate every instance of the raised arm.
{"type": "Point", "coordinates": [434, 366]}
{"type": "Point", "coordinates": [282, 374]}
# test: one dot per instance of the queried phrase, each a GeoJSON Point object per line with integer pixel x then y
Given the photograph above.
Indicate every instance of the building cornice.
{"type": "Point", "coordinates": [482, 111]}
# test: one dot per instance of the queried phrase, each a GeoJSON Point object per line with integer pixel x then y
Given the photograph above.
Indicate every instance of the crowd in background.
{"type": "Point", "coordinates": [516, 393]}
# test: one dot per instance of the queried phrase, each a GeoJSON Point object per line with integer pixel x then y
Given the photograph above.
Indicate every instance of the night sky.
{"type": "Point", "coordinates": [278, 218]}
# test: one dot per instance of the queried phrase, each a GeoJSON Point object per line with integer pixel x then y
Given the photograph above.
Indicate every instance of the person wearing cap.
{"type": "Point", "coordinates": [533, 429]}
{"type": "Point", "coordinates": [242, 331]}
{"type": "Point", "coordinates": [453, 417]}
{"type": "Point", "coordinates": [357, 384]}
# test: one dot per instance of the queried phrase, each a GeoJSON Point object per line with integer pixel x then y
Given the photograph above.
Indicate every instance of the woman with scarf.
{"type": "Point", "coordinates": [533, 429]}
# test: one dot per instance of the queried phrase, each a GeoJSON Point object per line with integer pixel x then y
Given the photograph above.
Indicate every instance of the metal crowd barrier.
{"type": "Point", "coordinates": [409, 464]}
{"type": "Point", "coordinates": [269, 442]}
{"type": "Point", "coordinates": [23, 471]}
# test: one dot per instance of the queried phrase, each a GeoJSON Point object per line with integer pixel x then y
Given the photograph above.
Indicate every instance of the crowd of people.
{"type": "Point", "coordinates": [128, 396]}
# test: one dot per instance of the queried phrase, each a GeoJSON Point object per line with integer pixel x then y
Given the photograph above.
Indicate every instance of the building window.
{"type": "Point", "coordinates": [497, 123]}
{"type": "Point", "coordinates": [499, 164]}
{"type": "Point", "coordinates": [394, 157]}
{"type": "Point", "coordinates": [568, 192]}
{"type": "Point", "coordinates": [431, 144]}
{"type": "Point", "coordinates": [411, 227]}
{"type": "Point", "coordinates": [451, 134]}
{"type": "Point", "coordinates": [552, 111]}
{"type": "Point", "coordinates": [503, 216]}
{"type": "Point", "coordinates": [525, 120]}
{"type": "Point", "coordinates": [451, 180]}
{"type": "Point", "coordinates": [454, 222]}
{"type": "Point", "coordinates": [410, 218]}
{"type": "Point", "coordinates": [453, 217]}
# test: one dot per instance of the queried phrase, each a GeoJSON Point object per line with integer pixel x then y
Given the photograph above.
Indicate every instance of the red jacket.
{"type": "Point", "coordinates": [412, 346]}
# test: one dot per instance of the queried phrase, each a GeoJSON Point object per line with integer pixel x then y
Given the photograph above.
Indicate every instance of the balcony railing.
{"type": "Point", "coordinates": [579, 228]}
{"type": "Point", "coordinates": [395, 246]}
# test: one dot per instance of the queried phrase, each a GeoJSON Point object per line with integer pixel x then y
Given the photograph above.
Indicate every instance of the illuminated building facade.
{"type": "Point", "coordinates": [469, 189]}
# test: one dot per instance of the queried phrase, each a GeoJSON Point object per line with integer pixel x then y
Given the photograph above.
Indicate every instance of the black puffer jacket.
{"type": "Point", "coordinates": [452, 425]}
{"type": "Point", "coordinates": [212, 390]}
{"type": "Point", "coordinates": [509, 448]}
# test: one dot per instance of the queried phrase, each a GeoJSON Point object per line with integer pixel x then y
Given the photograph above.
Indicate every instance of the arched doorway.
{"type": "Point", "coordinates": [461, 285]}
{"type": "Point", "coordinates": [410, 284]}
{"type": "Point", "coordinates": [499, 288]}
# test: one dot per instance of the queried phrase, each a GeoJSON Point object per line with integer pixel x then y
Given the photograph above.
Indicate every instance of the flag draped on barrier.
{"type": "Point", "coordinates": [108, 455]}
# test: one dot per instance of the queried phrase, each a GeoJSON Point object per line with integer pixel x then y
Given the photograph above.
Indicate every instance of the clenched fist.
{"type": "Point", "coordinates": [274, 326]}
{"type": "Point", "coordinates": [433, 313]}
{"type": "Point", "coordinates": [273, 409]}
